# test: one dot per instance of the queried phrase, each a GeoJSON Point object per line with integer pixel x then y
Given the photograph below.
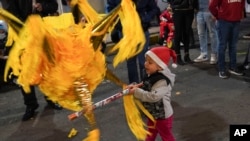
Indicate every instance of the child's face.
{"type": "Point", "coordinates": [151, 66]}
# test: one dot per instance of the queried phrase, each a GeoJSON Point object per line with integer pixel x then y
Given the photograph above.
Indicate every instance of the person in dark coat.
{"type": "Point", "coordinates": [147, 10]}
{"type": "Point", "coordinates": [183, 17]}
{"type": "Point", "coordinates": [22, 9]}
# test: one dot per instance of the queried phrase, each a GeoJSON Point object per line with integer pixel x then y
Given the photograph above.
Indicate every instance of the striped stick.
{"type": "Point", "coordinates": [100, 103]}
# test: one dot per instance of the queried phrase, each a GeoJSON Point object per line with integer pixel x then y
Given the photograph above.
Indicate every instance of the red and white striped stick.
{"type": "Point", "coordinates": [100, 103]}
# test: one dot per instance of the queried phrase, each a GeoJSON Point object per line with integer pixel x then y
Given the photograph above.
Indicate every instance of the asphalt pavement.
{"type": "Point", "coordinates": [204, 106]}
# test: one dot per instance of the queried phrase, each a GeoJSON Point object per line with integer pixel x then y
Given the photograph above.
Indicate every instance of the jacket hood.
{"type": "Point", "coordinates": [166, 72]}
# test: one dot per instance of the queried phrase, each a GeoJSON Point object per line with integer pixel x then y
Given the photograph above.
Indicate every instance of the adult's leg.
{"type": "Point", "coordinates": [233, 40]}
{"type": "Point", "coordinates": [202, 32]}
{"type": "Point", "coordinates": [211, 26]}
{"type": "Point", "coordinates": [132, 70]}
{"type": "Point", "coordinates": [30, 101]}
{"type": "Point", "coordinates": [246, 63]}
{"type": "Point", "coordinates": [178, 24]}
{"type": "Point", "coordinates": [189, 16]}
{"type": "Point", "coordinates": [141, 56]}
{"type": "Point", "coordinates": [52, 104]}
{"type": "Point", "coordinates": [135, 65]}
{"type": "Point", "coordinates": [223, 32]}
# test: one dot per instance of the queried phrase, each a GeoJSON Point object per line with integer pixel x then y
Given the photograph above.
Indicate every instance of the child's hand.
{"type": "Point", "coordinates": [132, 87]}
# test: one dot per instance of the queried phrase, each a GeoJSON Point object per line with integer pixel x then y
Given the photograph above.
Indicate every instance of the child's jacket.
{"type": "Point", "coordinates": [156, 94]}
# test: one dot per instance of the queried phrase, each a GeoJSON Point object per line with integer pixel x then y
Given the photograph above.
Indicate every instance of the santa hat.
{"type": "Point", "coordinates": [162, 55]}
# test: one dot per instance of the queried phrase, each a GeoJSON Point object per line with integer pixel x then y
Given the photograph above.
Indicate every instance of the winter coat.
{"type": "Point", "coordinates": [228, 10]}
{"type": "Point", "coordinates": [23, 8]}
{"type": "Point", "coordinates": [156, 94]}
{"type": "Point", "coordinates": [184, 4]}
{"type": "Point", "coordinates": [49, 7]}
{"type": "Point", "coordinates": [146, 9]}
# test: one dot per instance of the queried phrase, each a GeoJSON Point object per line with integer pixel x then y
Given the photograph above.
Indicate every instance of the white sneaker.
{"type": "Point", "coordinates": [247, 66]}
{"type": "Point", "coordinates": [213, 59]}
{"type": "Point", "coordinates": [181, 44]}
{"type": "Point", "coordinates": [201, 58]}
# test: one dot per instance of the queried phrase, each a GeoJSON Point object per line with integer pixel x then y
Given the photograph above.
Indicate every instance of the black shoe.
{"type": "Point", "coordinates": [223, 74]}
{"type": "Point", "coordinates": [29, 113]}
{"type": "Point", "coordinates": [55, 106]}
{"type": "Point", "coordinates": [187, 59]}
{"type": "Point", "coordinates": [235, 72]}
{"type": "Point", "coordinates": [179, 60]}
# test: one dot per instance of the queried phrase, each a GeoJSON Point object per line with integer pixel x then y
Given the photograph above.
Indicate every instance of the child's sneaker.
{"type": "Point", "coordinates": [201, 58]}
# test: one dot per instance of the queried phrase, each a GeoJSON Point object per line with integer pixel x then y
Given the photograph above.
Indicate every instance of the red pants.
{"type": "Point", "coordinates": [163, 127]}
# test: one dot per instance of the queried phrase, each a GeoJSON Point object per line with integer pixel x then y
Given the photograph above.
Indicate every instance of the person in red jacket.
{"type": "Point", "coordinates": [228, 14]}
{"type": "Point", "coordinates": [166, 27]}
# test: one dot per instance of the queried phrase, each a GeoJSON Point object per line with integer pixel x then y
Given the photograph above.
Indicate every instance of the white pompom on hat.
{"type": "Point", "coordinates": [162, 55]}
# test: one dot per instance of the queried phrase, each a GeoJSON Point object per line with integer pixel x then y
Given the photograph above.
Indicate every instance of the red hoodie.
{"type": "Point", "coordinates": [229, 10]}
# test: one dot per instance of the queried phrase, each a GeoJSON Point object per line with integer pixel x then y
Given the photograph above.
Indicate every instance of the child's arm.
{"type": "Point", "coordinates": [159, 90]}
{"type": "Point", "coordinates": [132, 87]}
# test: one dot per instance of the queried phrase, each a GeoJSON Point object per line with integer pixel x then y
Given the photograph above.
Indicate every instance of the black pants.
{"type": "Point", "coordinates": [30, 99]}
{"type": "Point", "coordinates": [2, 66]}
{"type": "Point", "coordinates": [183, 23]}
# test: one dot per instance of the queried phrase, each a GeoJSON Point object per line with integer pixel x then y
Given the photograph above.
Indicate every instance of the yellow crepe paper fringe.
{"type": "Point", "coordinates": [133, 116]}
{"type": "Point", "coordinates": [14, 24]}
{"type": "Point", "coordinates": [93, 135]}
{"type": "Point", "coordinates": [89, 13]}
{"type": "Point", "coordinates": [72, 133]}
{"type": "Point", "coordinates": [53, 57]}
{"type": "Point", "coordinates": [133, 36]}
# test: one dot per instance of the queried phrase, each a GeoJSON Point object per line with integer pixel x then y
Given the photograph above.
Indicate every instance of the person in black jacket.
{"type": "Point", "coordinates": [183, 17]}
{"type": "Point", "coordinates": [22, 9]}
{"type": "Point", "coordinates": [147, 10]}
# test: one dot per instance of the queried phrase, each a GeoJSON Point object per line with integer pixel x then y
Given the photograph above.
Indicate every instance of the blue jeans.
{"type": "Point", "coordinates": [136, 69]}
{"type": "Point", "coordinates": [228, 36]}
{"type": "Point", "coordinates": [205, 23]}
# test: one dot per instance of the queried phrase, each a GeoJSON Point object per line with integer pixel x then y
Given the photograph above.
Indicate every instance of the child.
{"type": "Point", "coordinates": [155, 92]}
{"type": "Point", "coordinates": [166, 27]}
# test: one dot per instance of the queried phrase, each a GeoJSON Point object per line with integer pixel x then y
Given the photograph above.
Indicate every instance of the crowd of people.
{"type": "Point", "coordinates": [216, 21]}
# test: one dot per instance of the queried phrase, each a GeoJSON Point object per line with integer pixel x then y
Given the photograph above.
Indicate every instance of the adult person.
{"type": "Point", "coordinates": [247, 10]}
{"type": "Point", "coordinates": [3, 57]}
{"type": "Point", "coordinates": [147, 10]}
{"type": "Point", "coordinates": [22, 9]}
{"type": "Point", "coordinates": [246, 63]}
{"type": "Point", "coordinates": [183, 18]}
{"type": "Point", "coordinates": [206, 23]}
{"type": "Point", "coordinates": [228, 14]}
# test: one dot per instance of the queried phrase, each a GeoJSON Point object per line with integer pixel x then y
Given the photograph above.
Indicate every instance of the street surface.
{"type": "Point", "coordinates": [204, 106]}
